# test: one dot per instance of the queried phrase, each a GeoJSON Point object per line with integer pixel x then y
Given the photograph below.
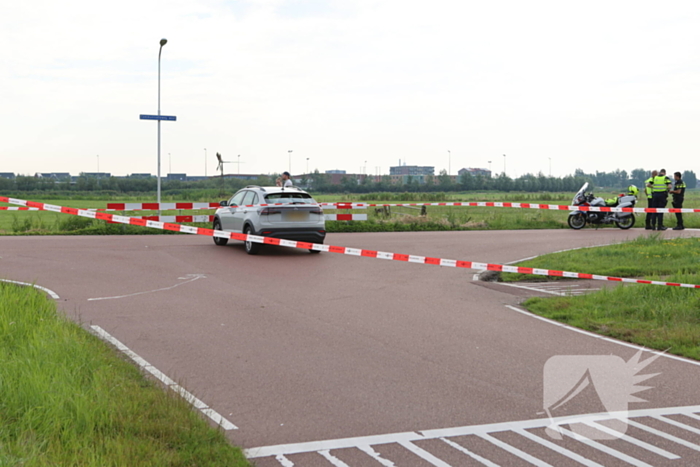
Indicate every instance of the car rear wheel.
{"type": "Point", "coordinates": [251, 248]}
{"type": "Point", "coordinates": [219, 240]}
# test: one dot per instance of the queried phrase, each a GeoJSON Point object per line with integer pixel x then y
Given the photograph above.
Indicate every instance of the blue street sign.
{"type": "Point", "coordinates": [158, 117]}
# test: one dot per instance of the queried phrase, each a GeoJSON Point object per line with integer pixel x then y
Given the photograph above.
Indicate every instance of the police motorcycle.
{"type": "Point", "coordinates": [624, 220]}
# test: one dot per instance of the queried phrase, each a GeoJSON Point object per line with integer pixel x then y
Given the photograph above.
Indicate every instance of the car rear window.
{"type": "Point", "coordinates": [289, 198]}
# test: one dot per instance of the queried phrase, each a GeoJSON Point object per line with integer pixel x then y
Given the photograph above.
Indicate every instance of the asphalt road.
{"type": "Point", "coordinates": [297, 348]}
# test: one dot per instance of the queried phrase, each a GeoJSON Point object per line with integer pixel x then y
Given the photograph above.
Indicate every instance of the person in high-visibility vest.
{"type": "Point", "coordinates": [660, 186]}
{"type": "Point", "coordinates": [647, 190]}
{"type": "Point", "coordinates": [678, 195]}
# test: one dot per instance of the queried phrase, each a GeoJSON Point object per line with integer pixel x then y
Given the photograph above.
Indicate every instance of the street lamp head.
{"type": "Point", "coordinates": [163, 42]}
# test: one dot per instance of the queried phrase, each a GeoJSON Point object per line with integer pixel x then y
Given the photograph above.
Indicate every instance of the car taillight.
{"type": "Point", "coordinates": [268, 211]}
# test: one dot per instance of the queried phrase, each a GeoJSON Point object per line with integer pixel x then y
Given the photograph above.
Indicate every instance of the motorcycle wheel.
{"type": "Point", "coordinates": [577, 221]}
{"type": "Point", "coordinates": [626, 222]}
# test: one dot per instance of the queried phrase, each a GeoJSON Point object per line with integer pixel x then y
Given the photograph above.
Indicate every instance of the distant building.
{"type": "Point", "coordinates": [141, 176]}
{"type": "Point", "coordinates": [475, 172]}
{"type": "Point", "coordinates": [9, 175]}
{"type": "Point", "coordinates": [57, 176]}
{"type": "Point", "coordinates": [341, 172]}
{"type": "Point", "coordinates": [413, 170]}
{"type": "Point", "coordinates": [94, 174]}
{"type": "Point", "coordinates": [176, 177]}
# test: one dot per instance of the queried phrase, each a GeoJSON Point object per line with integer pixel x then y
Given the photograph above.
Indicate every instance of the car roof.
{"type": "Point", "coordinates": [274, 189]}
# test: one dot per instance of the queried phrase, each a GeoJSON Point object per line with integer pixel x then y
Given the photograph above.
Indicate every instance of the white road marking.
{"type": "Point", "coordinates": [332, 459]}
{"type": "Point", "coordinates": [598, 336]}
{"type": "Point", "coordinates": [50, 292]}
{"type": "Point", "coordinates": [513, 450]}
{"type": "Point", "coordinates": [635, 441]}
{"type": "Point", "coordinates": [662, 434]}
{"type": "Point", "coordinates": [422, 453]}
{"type": "Point", "coordinates": [556, 448]}
{"type": "Point", "coordinates": [375, 455]}
{"type": "Point", "coordinates": [284, 461]}
{"type": "Point", "coordinates": [189, 397]}
{"type": "Point", "coordinates": [605, 449]}
{"type": "Point", "coordinates": [678, 424]}
{"type": "Point", "coordinates": [189, 278]}
{"type": "Point", "coordinates": [466, 451]}
{"type": "Point", "coordinates": [406, 439]}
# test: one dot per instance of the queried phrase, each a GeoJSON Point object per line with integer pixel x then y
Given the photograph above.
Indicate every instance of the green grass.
{"type": "Point", "coordinates": [647, 255]}
{"type": "Point", "coordinates": [658, 317]}
{"type": "Point", "coordinates": [66, 398]}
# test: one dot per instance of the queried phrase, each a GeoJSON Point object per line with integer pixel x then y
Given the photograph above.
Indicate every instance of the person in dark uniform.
{"type": "Point", "coordinates": [678, 193]}
{"type": "Point", "coordinates": [647, 189]}
{"type": "Point", "coordinates": [660, 187]}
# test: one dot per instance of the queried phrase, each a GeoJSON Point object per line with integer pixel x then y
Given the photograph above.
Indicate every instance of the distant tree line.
{"type": "Point", "coordinates": [321, 183]}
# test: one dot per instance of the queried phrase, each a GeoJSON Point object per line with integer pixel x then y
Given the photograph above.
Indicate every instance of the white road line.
{"type": "Point", "coordinates": [678, 424]}
{"type": "Point", "coordinates": [513, 450]}
{"type": "Point", "coordinates": [332, 459]}
{"type": "Point", "coordinates": [556, 448]}
{"type": "Point", "coordinates": [466, 451]}
{"type": "Point", "coordinates": [190, 278]}
{"type": "Point", "coordinates": [373, 440]}
{"type": "Point", "coordinates": [598, 336]}
{"type": "Point", "coordinates": [284, 461]}
{"type": "Point", "coordinates": [631, 440]}
{"type": "Point", "coordinates": [605, 449]}
{"type": "Point", "coordinates": [422, 453]}
{"type": "Point", "coordinates": [533, 289]}
{"type": "Point", "coordinates": [375, 455]}
{"type": "Point", "coordinates": [692, 415]}
{"type": "Point", "coordinates": [50, 292]}
{"type": "Point", "coordinates": [662, 434]}
{"type": "Point", "coordinates": [189, 397]}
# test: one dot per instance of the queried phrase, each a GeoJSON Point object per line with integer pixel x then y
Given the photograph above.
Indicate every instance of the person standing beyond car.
{"type": "Point", "coordinates": [678, 193]}
{"type": "Point", "coordinates": [660, 187]}
{"type": "Point", "coordinates": [287, 180]}
{"type": "Point", "coordinates": [647, 189]}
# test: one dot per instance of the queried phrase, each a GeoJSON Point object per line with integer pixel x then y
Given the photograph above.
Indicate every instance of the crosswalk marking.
{"type": "Point", "coordinates": [636, 453]}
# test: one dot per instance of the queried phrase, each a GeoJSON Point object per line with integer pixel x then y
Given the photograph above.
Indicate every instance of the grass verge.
{"type": "Point", "coordinates": [66, 398]}
{"type": "Point", "coordinates": [658, 317]}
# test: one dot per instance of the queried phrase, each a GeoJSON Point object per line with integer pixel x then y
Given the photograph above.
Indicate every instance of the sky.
{"type": "Point", "coordinates": [355, 85]}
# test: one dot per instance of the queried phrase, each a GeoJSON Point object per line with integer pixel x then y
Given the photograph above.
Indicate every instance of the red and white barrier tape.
{"type": "Point", "coordinates": [331, 248]}
{"type": "Point", "coordinates": [553, 207]}
{"type": "Point", "coordinates": [7, 208]}
{"type": "Point", "coordinates": [486, 204]}
{"type": "Point", "coordinates": [346, 217]}
{"type": "Point", "coordinates": [159, 207]}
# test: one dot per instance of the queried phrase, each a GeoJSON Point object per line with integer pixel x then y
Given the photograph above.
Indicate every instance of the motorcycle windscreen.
{"type": "Point", "coordinates": [580, 193]}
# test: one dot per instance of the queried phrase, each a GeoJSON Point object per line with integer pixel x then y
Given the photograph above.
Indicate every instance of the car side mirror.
{"type": "Point", "coordinates": [223, 203]}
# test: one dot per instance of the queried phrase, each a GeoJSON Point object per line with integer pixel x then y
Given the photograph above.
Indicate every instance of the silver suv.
{"type": "Point", "coordinates": [295, 215]}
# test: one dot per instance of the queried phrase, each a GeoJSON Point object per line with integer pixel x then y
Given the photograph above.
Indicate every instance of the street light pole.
{"type": "Point", "coordinates": [550, 166]}
{"type": "Point", "coordinates": [170, 164]}
{"type": "Point", "coordinates": [449, 161]}
{"type": "Point", "coordinates": [489, 168]}
{"type": "Point", "coordinates": [504, 165]}
{"type": "Point", "coordinates": [239, 164]}
{"type": "Point", "coordinates": [307, 165]}
{"type": "Point", "coordinates": [98, 165]}
{"type": "Point", "coordinates": [290, 162]}
{"type": "Point", "coordinates": [205, 162]}
{"type": "Point", "coordinates": [162, 43]}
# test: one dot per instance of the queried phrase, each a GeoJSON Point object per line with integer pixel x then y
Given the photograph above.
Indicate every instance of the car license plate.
{"type": "Point", "coordinates": [295, 216]}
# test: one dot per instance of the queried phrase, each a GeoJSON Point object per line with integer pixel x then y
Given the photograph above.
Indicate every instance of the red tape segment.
{"type": "Point", "coordinates": [331, 248]}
